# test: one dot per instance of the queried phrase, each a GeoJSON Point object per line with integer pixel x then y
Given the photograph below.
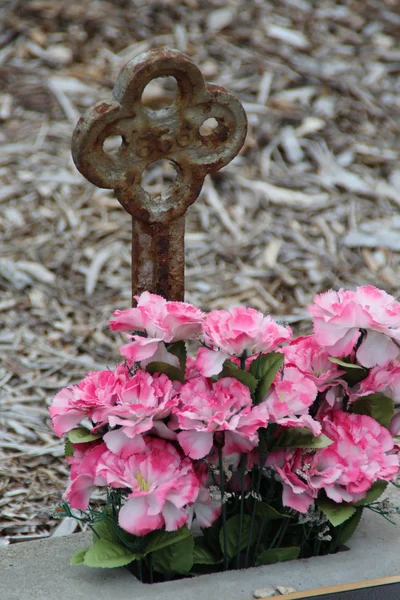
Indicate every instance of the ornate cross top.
{"type": "Point", "coordinates": [148, 135]}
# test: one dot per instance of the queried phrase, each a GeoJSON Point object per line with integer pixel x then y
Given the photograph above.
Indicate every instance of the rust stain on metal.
{"type": "Point", "coordinates": [147, 135]}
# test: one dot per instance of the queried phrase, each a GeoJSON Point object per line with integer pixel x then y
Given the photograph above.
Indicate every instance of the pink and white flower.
{"type": "Point", "coordinates": [339, 316]}
{"type": "Point", "coordinates": [161, 485]}
{"type": "Point", "coordinates": [310, 358]}
{"type": "Point", "coordinates": [142, 400]}
{"type": "Point", "coordinates": [83, 475]}
{"type": "Point", "coordinates": [161, 322]}
{"type": "Point", "coordinates": [224, 406]}
{"type": "Point", "coordinates": [289, 399]}
{"type": "Point", "coordinates": [235, 332]}
{"type": "Point", "coordinates": [301, 476]}
{"type": "Point", "coordinates": [362, 448]}
{"type": "Point", "coordinates": [207, 506]}
{"type": "Point", "coordinates": [96, 393]}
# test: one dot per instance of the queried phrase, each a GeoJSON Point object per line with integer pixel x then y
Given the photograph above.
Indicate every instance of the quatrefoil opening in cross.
{"type": "Point", "coordinates": [172, 133]}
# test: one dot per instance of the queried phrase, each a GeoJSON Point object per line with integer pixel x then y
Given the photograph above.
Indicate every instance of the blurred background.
{"type": "Point", "coordinates": [310, 203]}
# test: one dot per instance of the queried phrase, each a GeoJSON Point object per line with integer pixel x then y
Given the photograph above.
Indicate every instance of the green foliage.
{"type": "Point", "coordinates": [267, 366]}
{"type": "Point", "coordinates": [175, 558]}
{"type": "Point", "coordinates": [267, 512]}
{"type": "Point", "coordinates": [178, 349]}
{"type": "Point", "coordinates": [348, 528]}
{"type": "Point", "coordinates": [232, 370]}
{"type": "Point", "coordinates": [336, 513]}
{"type": "Point", "coordinates": [353, 374]}
{"type": "Point", "coordinates": [170, 371]}
{"type": "Point", "coordinates": [232, 533]}
{"type": "Point", "coordinates": [105, 529]}
{"type": "Point", "coordinates": [78, 557]}
{"type": "Point", "coordinates": [344, 364]}
{"type": "Point", "coordinates": [302, 438]}
{"type": "Point", "coordinates": [375, 491]}
{"type": "Point", "coordinates": [81, 435]}
{"type": "Point", "coordinates": [269, 557]}
{"type": "Point", "coordinates": [106, 554]}
{"type": "Point", "coordinates": [68, 449]}
{"type": "Point", "coordinates": [377, 405]}
{"type": "Point", "coordinates": [158, 539]}
{"type": "Point", "coordinates": [203, 555]}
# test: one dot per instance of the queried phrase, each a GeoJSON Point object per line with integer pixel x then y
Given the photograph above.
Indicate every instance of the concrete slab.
{"type": "Point", "coordinates": [40, 570]}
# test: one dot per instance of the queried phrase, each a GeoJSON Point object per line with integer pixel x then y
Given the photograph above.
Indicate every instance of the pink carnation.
{"type": "Point", "coordinates": [339, 316]}
{"type": "Point", "coordinates": [289, 399]}
{"type": "Point", "coordinates": [143, 399]}
{"type": "Point", "coordinates": [385, 380]}
{"type": "Point", "coordinates": [95, 393]}
{"type": "Point", "coordinates": [235, 332]}
{"type": "Point", "coordinates": [83, 476]}
{"type": "Point", "coordinates": [207, 506]}
{"type": "Point", "coordinates": [362, 448]}
{"type": "Point", "coordinates": [307, 356]}
{"type": "Point", "coordinates": [161, 322]}
{"type": "Point", "coordinates": [161, 485]}
{"type": "Point", "coordinates": [301, 476]}
{"type": "Point", "coordinates": [206, 408]}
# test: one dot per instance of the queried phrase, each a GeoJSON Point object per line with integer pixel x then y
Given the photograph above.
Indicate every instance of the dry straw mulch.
{"type": "Point", "coordinates": [311, 202]}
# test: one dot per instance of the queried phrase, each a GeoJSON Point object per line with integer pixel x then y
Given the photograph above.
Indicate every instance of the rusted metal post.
{"type": "Point", "coordinates": [149, 135]}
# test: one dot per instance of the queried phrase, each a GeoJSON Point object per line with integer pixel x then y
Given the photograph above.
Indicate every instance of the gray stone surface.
{"type": "Point", "coordinates": [40, 571]}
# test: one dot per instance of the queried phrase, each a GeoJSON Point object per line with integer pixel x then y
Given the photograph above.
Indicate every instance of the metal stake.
{"type": "Point", "coordinates": [149, 135]}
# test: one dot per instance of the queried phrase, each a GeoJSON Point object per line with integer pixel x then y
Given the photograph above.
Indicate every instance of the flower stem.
{"type": "Point", "coordinates": [259, 536]}
{"type": "Point", "coordinates": [223, 506]}
{"type": "Point", "coordinates": [150, 560]}
{"type": "Point", "coordinates": [140, 571]}
{"type": "Point", "coordinates": [243, 464]}
{"type": "Point", "coordinates": [243, 360]}
{"type": "Point", "coordinates": [253, 514]}
{"type": "Point", "coordinates": [279, 534]}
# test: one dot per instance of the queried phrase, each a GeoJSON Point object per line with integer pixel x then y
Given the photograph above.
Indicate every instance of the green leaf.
{"type": "Point", "coordinates": [232, 534]}
{"type": "Point", "coordinates": [353, 374]}
{"type": "Point", "coordinates": [106, 529]}
{"type": "Point", "coordinates": [375, 491]}
{"type": "Point", "coordinates": [269, 367]}
{"type": "Point", "coordinates": [68, 449]}
{"type": "Point", "coordinates": [108, 554]}
{"type": "Point", "coordinates": [80, 435]}
{"type": "Point", "coordinates": [178, 349]}
{"type": "Point", "coordinates": [203, 555]}
{"type": "Point", "coordinates": [296, 437]}
{"type": "Point", "coordinates": [161, 539]}
{"type": "Point", "coordinates": [342, 363]}
{"type": "Point", "coordinates": [262, 365]}
{"type": "Point", "coordinates": [377, 405]}
{"type": "Point", "coordinates": [176, 558]}
{"type": "Point", "coordinates": [232, 370]}
{"type": "Point", "coordinates": [78, 557]}
{"type": "Point", "coordinates": [269, 557]}
{"type": "Point", "coordinates": [348, 528]}
{"type": "Point", "coordinates": [211, 535]}
{"type": "Point", "coordinates": [170, 371]}
{"type": "Point", "coordinates": [267, 512]}
{"type": "Point", "coordinates": [336, 513]}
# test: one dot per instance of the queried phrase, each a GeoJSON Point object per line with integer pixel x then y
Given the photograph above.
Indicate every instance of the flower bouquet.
{"type": "Point", "coordinates": [222, 443]}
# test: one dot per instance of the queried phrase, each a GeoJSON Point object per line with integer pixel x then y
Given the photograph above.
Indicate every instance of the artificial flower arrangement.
{"type": "Point", "coordinates": [256, 448]}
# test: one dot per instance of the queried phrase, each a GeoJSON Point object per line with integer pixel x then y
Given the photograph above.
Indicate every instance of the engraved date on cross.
{"type": "Point", "coordinates": [172, 133]}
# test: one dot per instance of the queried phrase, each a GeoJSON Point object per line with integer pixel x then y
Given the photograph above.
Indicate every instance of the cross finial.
{"type": "Point", "coordinates": [149, 135]}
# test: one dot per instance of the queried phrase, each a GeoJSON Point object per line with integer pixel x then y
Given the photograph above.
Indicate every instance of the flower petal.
{"type": "Point", "coordinates": [196, 444]}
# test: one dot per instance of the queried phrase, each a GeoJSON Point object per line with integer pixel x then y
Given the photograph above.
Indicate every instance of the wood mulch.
{"type": "Point", "coordinates": [311, 202]}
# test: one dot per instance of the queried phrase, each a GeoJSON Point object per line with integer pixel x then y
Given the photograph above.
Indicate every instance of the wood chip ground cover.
{"type": "Point", "coordinates": [311, 202]}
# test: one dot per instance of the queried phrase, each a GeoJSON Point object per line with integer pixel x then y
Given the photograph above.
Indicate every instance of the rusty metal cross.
{"type": "Point", "coordinates": [172, 133]}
